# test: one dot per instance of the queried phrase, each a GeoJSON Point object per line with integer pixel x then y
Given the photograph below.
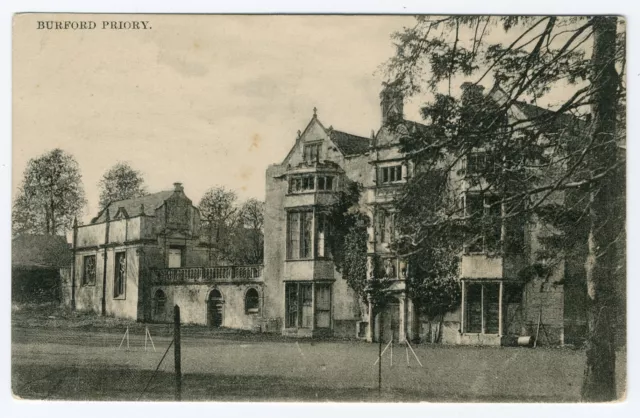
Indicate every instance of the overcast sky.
{"type": "Point", "coordinates": [199, 99]}
{"type": "Point", "coordinates": [203, 100]}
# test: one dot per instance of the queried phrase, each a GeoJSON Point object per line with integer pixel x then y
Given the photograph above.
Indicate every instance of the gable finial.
{"type": "Point", "coordinates": [315, 112]}
{"type": "Point", "coordinates": [141, 208]}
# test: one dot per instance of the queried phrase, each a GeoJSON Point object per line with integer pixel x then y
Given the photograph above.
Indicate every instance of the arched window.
{"type": "Point", "coordinates": [252, 301]}
{"type": "Point", "coordinates": [160, 300]}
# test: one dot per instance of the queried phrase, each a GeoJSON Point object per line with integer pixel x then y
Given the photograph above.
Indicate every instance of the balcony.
{"type": "Point", "coordinates": [483, 266]}
{"type": "Point", "coordinates": [206, 275]}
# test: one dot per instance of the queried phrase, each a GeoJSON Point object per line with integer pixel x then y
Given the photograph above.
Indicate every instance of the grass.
{"type": "Point", "coordinates": [57, 354]}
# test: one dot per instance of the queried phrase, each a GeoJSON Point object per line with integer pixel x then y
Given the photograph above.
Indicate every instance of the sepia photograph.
{"type": "Point", "coordinates": [319, 208]}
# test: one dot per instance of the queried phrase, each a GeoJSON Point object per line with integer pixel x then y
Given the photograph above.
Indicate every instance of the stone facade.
{"type": "Point", "coordinates": [140, 257]}
{"type": "Point", "coordinates": [299, 274]}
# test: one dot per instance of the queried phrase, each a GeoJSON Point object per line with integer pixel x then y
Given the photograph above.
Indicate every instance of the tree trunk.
{"type": "Point", "coordinates": [599, 383]}
{"type": "Point", "coordinates": [53, 219]}
{"type": "Point", "coordinates": [440, 325]}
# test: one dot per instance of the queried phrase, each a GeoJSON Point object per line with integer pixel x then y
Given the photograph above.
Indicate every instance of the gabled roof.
{"type": "Point", "coordinates": [531, 111]}
{"type": "Point", "coordinates": [40, 251]}
{"type": "Point", "coordinates": [389, 135]}
{"type": "Point", "coordinates": [132, 207]}
{"type": "Point", "coordinates": [350, 144]}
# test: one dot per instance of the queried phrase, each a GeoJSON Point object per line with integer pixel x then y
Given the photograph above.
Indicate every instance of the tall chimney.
{"type": "Point", "coordinates": [178, 187]}
{"type": "Point", "coordinates": [391, 101]}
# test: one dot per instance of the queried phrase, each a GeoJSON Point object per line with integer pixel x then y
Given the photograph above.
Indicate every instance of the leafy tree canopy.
{"type": "Point", "coordinates": [51, 195]}
{"type": "Point", "coordinates": [120, 182]}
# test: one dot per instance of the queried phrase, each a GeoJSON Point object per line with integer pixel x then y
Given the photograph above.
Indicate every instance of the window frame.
{"type": "Point", "coordinates": [385, 226]}
{"type": "Point", "coordinates": [311, 152]}
{"type": "Point", "coordinates": [85, 281]}
{"type": "Point", "coordinates": [156, 310]}
{"type": "Point", "coordinates": [391, 174]}
{"type": "Point", "coordinates": [180, 248]}
{"type": "Point", "coordinates": [483, 163]}
{"type": "Point", "coordinates": [300, 232]}
{"type": "Point", "coordinates": [483, 239]}
{"type": "Point", "coordinates": [256, 299]}
{"type": "Point", "coordinates": [310, 183]}
{"type": "Point", "coordinates": [484, 309]}
{"type": "Point", "coordinates": [119, 276]}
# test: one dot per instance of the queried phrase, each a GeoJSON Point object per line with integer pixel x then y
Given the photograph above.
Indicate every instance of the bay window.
{"type": "Point", "coordinates": [307, 305]}
{"type": "Point", "coordinates": [482, 308]}
{"type": "Point", "coordinates": [310, 183]}
{"type": "Point", "coordinates": [301, 237]}
{"type": "Point", "coordinates": [484, 215]}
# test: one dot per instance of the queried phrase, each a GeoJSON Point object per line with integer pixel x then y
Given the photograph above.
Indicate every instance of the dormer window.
{"type": "Point", "coordinates": [312, 152]}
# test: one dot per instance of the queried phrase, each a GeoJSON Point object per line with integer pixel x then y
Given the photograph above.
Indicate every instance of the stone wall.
{"type": "Point", "coordinates": [192, 300]}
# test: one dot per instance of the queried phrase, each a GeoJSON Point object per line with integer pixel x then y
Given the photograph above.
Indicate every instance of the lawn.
{"type": "Point", "coordinates": [78, 364]}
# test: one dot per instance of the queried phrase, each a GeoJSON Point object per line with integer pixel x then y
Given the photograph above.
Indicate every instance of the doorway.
{"type": "Point", "coordinates": [390, 321]}
{"type": "Point", "coordinates": [215, 305]}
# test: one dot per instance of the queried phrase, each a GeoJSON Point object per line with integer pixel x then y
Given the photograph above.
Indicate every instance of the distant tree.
{"type": "Point", "coordinates": [120, 182]}
{"type": "Point", "coordinates": [250, 248]}
{"type": "Point", "coordinates": [219, 216]}
{"type": "Point", "coordinates": [50, 196]}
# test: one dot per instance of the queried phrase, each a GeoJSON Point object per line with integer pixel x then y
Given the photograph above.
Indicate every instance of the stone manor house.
{"type": "Point", "coordinates": [140, 257]}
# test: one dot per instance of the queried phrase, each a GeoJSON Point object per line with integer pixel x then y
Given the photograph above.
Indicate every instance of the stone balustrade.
{"type": "Point", "coordinates": [196, 275]}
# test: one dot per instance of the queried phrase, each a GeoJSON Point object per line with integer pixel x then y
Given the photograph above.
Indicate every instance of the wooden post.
{"type": "Point", "coordinates": [73, 264]}
{"type": "Point", "coordinates": [500, 296]}
{"type": "Point", "coordinates": [380, 332]}
{"type": "Point", "coordinates": [104, 264]}
{"type": "Point", "coordinates": [176, 351]}
{"type": "Point", "coordinates": [462, 309]}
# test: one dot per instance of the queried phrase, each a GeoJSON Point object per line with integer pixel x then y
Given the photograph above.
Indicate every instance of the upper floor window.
{"type": "Point", "coordinates": [301, 236]}
{"type": "Point", "coordinates": [390, 174]}
{"type": "Point", "coordinates": [323, 249]}
{"type": "Point", "coordinates": [312, 152]}
{"type": "Point", "coordinates": [385, 228]}
{"type": "Point", "coordinates": [310, 183]}
{"type": "Point", "coordinates": [486, 223]}
{"type": "Point", "coordinates": [89, 270]}
{"type": "Point", "coordinates": [325, 182]}
{"type": "Point", "coordinates": [175, 257]}
{"type": "Point", "coordinates": [479, 163]}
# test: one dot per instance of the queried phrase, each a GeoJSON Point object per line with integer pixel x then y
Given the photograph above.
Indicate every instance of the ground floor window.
{"type": "Point", "coordinates": [215, 304]}
{"type": "Point", "coordinates": [485, 313]}
{"type": "Point", "coordinates": [482, 308]}
{"type": "Point", "coordinates": [251, 301]}
{"type": "Point", "coordinates": [323, 306]}
{"type": "Point", "coordinates": [300, 309]}
{"type": "Point", "coordinates": [89, 270]}
{"type": "Point", "coordinates": [160, 301]}
{"type": "Point", "coordinates": [120, 274]}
